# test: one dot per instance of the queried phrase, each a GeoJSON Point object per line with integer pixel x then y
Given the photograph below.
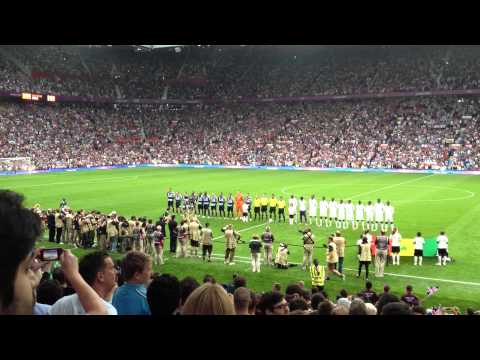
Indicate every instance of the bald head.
{"type": "Point", "coordinates": [241, 300]}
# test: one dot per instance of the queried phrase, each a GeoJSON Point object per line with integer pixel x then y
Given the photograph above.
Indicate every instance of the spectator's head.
{"type": "Point", "coordinates": [209, 279]}
{"type": "Point", "coordinates": [209, 299]}
{"type": "Point", "coordinates": [48, 292]}
{"type": "Point", "coordinates": [164, 295]}
{"type": "Point", "coordinates": [386, 299]}
{"type": "Point", "coordinates": [252, 308]}
{"type": "Point", "coordinates": [298, 304]}
{"type": "Point", "coordinates": [137, 268]}
{"type": "Point", "coordinates": [317, 298]}
{"type": "Point", "coordinates": [371, 309]}
{"type": "Point", "coordinates": [340, 310]}
{"type": "Point", "coordinates": [396, 308]}
{"type": "Point", "coordinates": [187, 285]}
{"type": "Point", "coordinates": [357, 307]}
{"type": "Point", "coordinates": [239, 281]}
{"type": "Point", "coordinates": [19, 229]}
{"type": "Point", "coordinates": [293, 291]}
{"type": "Point", "coordinates": [242, 299]}
{"type": "Point", "coordinates": [409, 289]}
{"type": "Point", "coordinates": [273, 303]}
{"type": "Point", "coordinates": [368, 285]}
{"type": "Point", "coordinates": [386, 288]}
{"type": "Point", "coordinates": [325, 308]}
{"type": "Point", "coordinates": [277, 287]}
{"type": "Point", "coordinates": [98, 270]}
{"type": "Point", "coordinates": [59, 276]}
{"type": "Point", "coordinates": [418, 310]}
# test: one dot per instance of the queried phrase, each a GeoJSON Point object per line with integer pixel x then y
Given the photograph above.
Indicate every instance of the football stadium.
{"type": "Point", "coordinates": [248, 180]}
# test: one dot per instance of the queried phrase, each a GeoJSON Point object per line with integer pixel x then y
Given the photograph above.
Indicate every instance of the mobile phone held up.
{"type": "Point", "coordinates": [50, 254]}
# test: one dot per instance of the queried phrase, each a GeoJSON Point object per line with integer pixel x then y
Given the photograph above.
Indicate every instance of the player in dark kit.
{"type": "Point", "coordinates": [178, 202]}
{"type": "Point", "coordinates": [213, 205]}
{"type": "Point", "coordinates": [230, 206]}
{"type": "Point", "coordinates": [221, 205]}
{"type": "Point", "coordinates": [206, 204]}
{"type": "Point", "coordinates": [200, 203]}
{"type": "Point", "coordinates": [170, 198]}
{"type": "Point", "coordinates": [248, 201]}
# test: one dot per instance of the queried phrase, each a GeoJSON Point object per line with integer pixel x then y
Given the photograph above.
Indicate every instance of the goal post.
{"type": "Point", "coordinates": [16, 164]}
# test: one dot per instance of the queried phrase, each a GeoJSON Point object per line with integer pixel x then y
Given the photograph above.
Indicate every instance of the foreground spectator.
{"type": "Point", "coordinates": [396, 308]}
{"type": "Point", "coordinates": [187, 286]}
{"type": "Point", "coordinates": [131, 297]}
{"type": "Point", "coordinates": [273, 303]}
{"type": "Point", "coordinates": [209, 299]}
{"type": "Point", "coordinates": [48, 292]}
{"type": "Point", "coordinates": [98, 270]}
{"type": "Point", "coordinates": [164, 295]}
{"type": "Point", "coordinates": [19, 229]}
{"type": "Point", "coordinates": [242, 300]}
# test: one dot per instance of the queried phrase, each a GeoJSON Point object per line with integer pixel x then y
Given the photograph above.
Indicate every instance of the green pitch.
{"type": "Point", "coordinates": [426, 203]}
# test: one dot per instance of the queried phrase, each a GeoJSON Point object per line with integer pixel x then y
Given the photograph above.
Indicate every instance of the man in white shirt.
{"type": "Point", "coordinates": [442, 248]}
{"type": "Point", "coordinates": [369, 214]}
{"type": "Point", "coordinates": [332, 212]}
{"type": "Point", "coordinates": [389, 211]}
{"type": "Point", "coordinates": [98, 270]}
{"type": "Point", "coordinates": [395, 240]}
{"type": "Point", "coordinates": [378, 215]}
{"type": "Point", "coordinates": [323, 211]}
{"type": "Point", "coordinates": [341, 215]}
{"type": "Point", "coordinates": [349, 209]}
{"type": "Point", "coordinates": [292, 210]}
{"type": "Point", "coordinates": [418, 242]}
{"type": "Point", "coordinates": [245, 212]}
{"type": "Point", "coordinates": [312, 210]}
{"type": "Point", "coordinates": [302, 206]}
{"type": "Point", "coordinates": [359, 215]}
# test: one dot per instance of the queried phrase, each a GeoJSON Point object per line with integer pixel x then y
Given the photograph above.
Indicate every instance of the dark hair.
{"type": "Point", "coordinates": [19, 229]}
{"type": "Point", "coordinates": [298, 304]}
{"type": "Point", "coordinates": [91, 264]}
{"type": "Point", "coordinates": [343, 293]}
{"type": "Point", "coordinates": [317, 298]}
{"type": "Point", "coordinates": [368, 285]}
{"type": "Point", "coordinates": [120, 277]}
{"type": "Point", "coordinates": [385, 299]}
{"type": "Point", "coordinates": [325, 308]}
{"type": "Point", "coordinates": [268, 301]}
{"type": "Point", "coordinates": [396, 308]}
{"type": "Point", "coordinates": [409, 288]}
{"type": "Point", "coordinates": [187, 285]}
{"type": "Point", "coordinates": [239, 281]}
{"type": "Point", "coordinates": [419, 233]}
{"type": "Point", "coordinates": [209, 278]}
{"type": "Point", "coordinates": [132, 263]}
{"type": "Point", "coordinates": [163, 295]}
{"type": "Point", "coordinates": [419, 310]}
{"type": "Point", "coordinates": [294, 288]}
{"type": "Point", "coordinates": [59, 275]}
{"type": "Point", "coordinates": [48, 292]}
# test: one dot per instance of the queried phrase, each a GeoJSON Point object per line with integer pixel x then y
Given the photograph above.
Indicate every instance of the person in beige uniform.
{"type": "Point", "coordinates": [308, 244]}
{"type": "Point", "coordinates": [69, 231]}
{"type": "Point", "coordinates": [112, 231]}
{"type": "Point", "coordinates": [194, 236]}
{"type": "Point", "coordinates": [340, 242]}
{"type": "Point", "coordinates": [364, 256]}
{"type": "Point", "coordinates": [206, 237]}
{"type": "Point", "coordinates": [183, 237]}
{"type": "Point", "coordinates": [58, 226]}
{"type": "Point", "coordinates": [84, 231]}
{"type": "Point", "coordinates": [231, 238]}
{"type": "Point", "coordinates": [332, 258]}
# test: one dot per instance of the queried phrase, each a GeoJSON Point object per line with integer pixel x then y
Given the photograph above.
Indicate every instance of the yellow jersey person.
{"type": "Point", "coordinates": [281, 208]}
{"type": "Point", "coordinates": [317, 273]}
{"type": "Point", "coordinates": [272, 203]}
{"type": "Point", "coordinates": [256, 207]}
{"type": "Point", "coordinates": [264, 204]}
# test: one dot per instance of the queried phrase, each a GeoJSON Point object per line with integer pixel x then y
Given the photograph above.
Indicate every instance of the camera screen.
{"type": "Point", "coordinates": [50, 255]}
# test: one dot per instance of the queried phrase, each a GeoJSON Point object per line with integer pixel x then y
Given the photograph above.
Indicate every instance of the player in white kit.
{"type": "Point", "coordinates": [395, 240]}
{"type": "Point", "coordinates": [341, 215]}
{"type": "Point", "coordinates": [369, 214]}
{"type": "Point", "coordinates": [389, 210]}
{"type": "Point", "coordinates": [292, 210]}
{"type": "Point", "coordinates": [245, 212]}
{"type": "Point", "coordinates": [323, 211]}
{"type": "Point", "coordinates": [349, 209]}
{"type": "Point", "coordinates": [418, 242]}
{"type": "Point", "coordinates": [359, 215]}
{"type": "Point", "coordinates": [442, 249]}
{"type": "Point", "coordinates": [378, 215]}
{"type": "Point", "coordinates": [332, 212]}
{"type": "Point", "coordinates": [312, 210]}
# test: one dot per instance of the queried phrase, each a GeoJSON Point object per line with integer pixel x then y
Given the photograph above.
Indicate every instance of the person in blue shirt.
{"type": "Point", "coordinates": [131, 297]}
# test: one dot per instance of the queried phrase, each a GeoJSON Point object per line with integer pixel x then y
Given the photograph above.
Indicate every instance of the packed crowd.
{"type": "Point", "coordinates": [229, 72]}
{"type": "Point", "coordinates": [421, 133]}
{"type": "Point", "coordinates": [101, 286]}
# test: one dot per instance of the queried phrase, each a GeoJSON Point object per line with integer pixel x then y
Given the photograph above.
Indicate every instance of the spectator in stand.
{"type": "Point", "coordinates": [209, 299]}
{"type": "Point", "coordinates": [409, 297]}
{"type": "Point", "coordinates": [357, 307]}
{"type": "Point", "coordinates": [48, 292]}
{"type": "Point", "coordinates": [273, 303]}
{"type": "Point", "coordinates": [164, 295]}
{"type": "Point", "coordinates": [19, 229]}
{"type": "Point", "coordinates": [98, 270]}
{"type": "Point", "coordinates": [131, 297]}
{"type": "Point", "coordinates": [396, 308]}
{"type": "Point", "coordinates": [242, 300]}
{"type": "Point", "coordinates": [368, 295]}
{"type": "Point", "coordinates": [187, 285]}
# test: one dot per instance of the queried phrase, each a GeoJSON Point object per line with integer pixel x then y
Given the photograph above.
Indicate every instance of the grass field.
{"type": "Point", "coordinates": [426, 203]}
